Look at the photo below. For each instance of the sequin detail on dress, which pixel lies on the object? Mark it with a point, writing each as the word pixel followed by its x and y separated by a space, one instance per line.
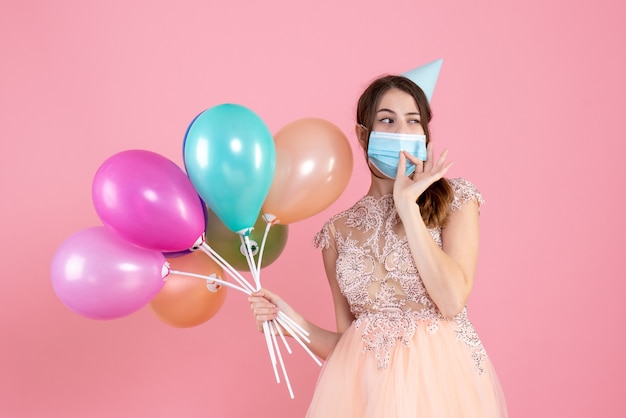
pixel 377 275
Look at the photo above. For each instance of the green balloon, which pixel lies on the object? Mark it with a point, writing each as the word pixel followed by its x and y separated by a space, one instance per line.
pixel 229 246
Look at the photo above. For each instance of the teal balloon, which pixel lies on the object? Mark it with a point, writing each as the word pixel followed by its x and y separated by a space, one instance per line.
pixel 230 158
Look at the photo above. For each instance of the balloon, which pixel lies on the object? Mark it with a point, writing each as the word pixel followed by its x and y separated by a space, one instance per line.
pixel 313 167
pixel 174 254
pixel 99 275
pixel 228 244
pixel 148 200
pixel 186 301
pixel 230 158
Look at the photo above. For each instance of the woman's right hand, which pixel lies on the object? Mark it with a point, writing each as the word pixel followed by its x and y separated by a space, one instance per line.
pixel 265 306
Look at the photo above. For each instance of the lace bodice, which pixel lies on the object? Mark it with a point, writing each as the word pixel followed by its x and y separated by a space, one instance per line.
pixel 378 277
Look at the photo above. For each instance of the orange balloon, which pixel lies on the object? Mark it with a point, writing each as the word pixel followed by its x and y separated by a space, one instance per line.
pixel 313 167
pixel 187 301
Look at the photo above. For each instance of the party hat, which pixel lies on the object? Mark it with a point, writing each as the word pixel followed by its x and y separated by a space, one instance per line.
pixel 425 76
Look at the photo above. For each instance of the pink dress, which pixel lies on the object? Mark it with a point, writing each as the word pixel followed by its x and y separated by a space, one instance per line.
pixel 400 358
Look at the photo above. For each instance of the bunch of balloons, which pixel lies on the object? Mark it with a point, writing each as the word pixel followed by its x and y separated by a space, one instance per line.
pixel 169 235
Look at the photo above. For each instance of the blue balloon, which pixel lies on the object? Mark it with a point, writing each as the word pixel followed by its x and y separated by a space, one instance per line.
pixel 230 158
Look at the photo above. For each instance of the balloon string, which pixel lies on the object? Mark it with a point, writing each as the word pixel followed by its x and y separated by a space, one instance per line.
pixel 227 267
pixel 262 250
pixel 270 349
pixel 282 336
pixel 245 241
pixel 280 358
pixel 304 333
pixel 210 279
pixel 270 340
pixel 292 327
pixel 269 328
pixel 253 269
pixel 295 336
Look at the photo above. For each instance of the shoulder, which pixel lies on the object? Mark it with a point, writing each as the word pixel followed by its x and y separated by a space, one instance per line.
pixel 464 191
pixel 323 238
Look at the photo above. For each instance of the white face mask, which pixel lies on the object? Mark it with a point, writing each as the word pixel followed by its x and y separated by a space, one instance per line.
pixel 383 151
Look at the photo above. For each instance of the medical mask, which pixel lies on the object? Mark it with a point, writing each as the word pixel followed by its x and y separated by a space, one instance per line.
pixel 383 151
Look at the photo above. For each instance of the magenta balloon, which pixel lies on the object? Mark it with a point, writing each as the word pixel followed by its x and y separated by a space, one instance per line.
pixel 99 275
pixel 149 201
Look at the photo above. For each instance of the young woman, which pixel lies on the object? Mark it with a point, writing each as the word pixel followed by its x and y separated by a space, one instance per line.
pixel 400 264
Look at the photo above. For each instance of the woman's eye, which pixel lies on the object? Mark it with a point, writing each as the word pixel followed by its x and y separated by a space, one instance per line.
pixel 414 121
pixel 386 120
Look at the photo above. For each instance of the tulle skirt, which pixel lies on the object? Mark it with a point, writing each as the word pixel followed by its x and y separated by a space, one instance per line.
pixel 435 376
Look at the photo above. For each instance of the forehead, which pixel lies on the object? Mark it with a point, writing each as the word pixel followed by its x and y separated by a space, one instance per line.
pixel 398 101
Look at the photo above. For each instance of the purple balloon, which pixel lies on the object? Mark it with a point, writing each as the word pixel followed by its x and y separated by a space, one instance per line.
pixel 99 275
pixel 149 201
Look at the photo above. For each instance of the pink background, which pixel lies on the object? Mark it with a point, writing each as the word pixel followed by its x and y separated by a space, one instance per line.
pixel 530 102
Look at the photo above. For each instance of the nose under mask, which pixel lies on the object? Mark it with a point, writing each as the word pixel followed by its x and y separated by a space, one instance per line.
pixel 383 151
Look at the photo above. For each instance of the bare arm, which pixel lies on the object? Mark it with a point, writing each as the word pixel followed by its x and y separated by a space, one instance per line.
pixel 448 272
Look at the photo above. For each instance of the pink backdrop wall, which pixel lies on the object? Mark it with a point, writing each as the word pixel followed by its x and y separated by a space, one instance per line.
pixel 530 102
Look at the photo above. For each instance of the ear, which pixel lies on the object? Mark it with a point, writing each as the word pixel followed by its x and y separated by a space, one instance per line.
pixel 361 134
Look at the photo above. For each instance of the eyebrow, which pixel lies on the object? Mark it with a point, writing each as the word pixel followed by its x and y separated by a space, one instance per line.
pixel 391 111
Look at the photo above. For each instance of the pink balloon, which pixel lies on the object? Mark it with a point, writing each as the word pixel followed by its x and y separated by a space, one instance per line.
pixel 99 275
pixel 149 201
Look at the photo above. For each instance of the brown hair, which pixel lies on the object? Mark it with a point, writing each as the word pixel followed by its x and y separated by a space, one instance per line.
pixel 435 202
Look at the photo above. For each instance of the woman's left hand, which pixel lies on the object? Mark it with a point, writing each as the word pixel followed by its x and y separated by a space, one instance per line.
pixel 407 189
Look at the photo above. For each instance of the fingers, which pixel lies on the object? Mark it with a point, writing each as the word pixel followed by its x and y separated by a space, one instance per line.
pixel 428 164
pixel 429 169
pixel 262 308
pixel 425 166
pixel 404 155
pixel 272 297
pixel 440 161
pixel 401 164
pixel 441 168
pixel 413 159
